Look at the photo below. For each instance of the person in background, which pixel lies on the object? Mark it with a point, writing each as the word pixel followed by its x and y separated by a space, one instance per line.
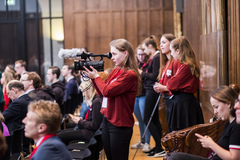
pixel 237 107
pixel 4 128
pixel 168 68
pixel 222 100
pixel 119 92
pixel 71 92
pixel 3 145
pixel 10 68
pixel 140 103
pixel 17 110
pixel 58 86
pixel 84 129
pixel 2 102
pixel 20 67
pixel 31 82
pixel 42 122
pixel 6 77
pixel 151 48
pixel 184 108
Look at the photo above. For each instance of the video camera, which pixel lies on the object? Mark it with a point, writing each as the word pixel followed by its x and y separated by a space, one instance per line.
pixel 85 59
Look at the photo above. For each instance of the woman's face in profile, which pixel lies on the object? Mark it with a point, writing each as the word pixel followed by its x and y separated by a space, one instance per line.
pixel 220 109
pixel 118 57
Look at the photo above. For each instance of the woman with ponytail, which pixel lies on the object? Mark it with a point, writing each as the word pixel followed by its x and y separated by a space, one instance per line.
pixel 184 108
pixel 151 48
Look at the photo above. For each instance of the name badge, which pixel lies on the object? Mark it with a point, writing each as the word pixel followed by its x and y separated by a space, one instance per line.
pixel 104 102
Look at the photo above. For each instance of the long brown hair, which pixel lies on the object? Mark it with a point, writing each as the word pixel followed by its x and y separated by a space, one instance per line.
pixel 226 95
pixel 131 60
pixel 186 54
pixel 8 77
pixel 163 57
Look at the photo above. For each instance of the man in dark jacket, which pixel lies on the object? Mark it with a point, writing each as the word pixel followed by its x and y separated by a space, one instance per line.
pixel 17 110
pixel 71 92
pixel 58 86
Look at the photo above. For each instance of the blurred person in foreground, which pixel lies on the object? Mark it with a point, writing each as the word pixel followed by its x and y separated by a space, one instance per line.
pixel 42 123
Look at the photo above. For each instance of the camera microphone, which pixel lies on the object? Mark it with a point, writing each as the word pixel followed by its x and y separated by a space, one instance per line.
pixel 76 52
pixel 69 53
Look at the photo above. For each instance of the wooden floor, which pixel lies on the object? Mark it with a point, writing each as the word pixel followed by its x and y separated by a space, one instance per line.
pixel 140 155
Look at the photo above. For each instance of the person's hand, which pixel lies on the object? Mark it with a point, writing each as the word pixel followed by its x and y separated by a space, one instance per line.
pixel 91 74
pixel 159 87
pixel 206 141
pixel 76 119
pixel 140 71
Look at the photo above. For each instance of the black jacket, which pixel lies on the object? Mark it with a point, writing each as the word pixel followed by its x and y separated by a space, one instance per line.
pixel 58 89
pixel 16 112
pixel 45 93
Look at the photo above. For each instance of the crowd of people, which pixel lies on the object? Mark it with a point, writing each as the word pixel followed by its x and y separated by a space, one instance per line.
pixel 164 67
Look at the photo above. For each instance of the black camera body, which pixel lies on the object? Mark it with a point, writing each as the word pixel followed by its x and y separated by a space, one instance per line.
pixel 98 65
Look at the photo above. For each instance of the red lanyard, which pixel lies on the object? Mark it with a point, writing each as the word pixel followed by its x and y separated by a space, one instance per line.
pixel 113 77
pixel 86 116
pixel 144 65
pixel 44 139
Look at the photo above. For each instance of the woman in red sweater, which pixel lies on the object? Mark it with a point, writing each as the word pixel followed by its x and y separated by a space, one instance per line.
pixel 119 91
pixel 184 109
pixel 168 68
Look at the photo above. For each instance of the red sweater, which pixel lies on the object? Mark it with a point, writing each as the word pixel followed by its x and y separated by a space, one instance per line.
pixel 168 72
pixel 6 98
pixel 121 92
pixel 183 80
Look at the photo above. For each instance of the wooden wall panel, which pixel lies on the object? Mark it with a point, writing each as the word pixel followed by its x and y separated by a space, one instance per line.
pixel 104 4
pixel 143 30
pixel 116 4
pixel 130 26
pixel 94 23
pixel 204 25
pixel 92 31
pixel 154 23
pixel 117 25
pixel 104 31
pixel 234 41
pixel 80 26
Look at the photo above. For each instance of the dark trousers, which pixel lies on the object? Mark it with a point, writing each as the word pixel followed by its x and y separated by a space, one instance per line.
pixel 155 126
pixel 116 140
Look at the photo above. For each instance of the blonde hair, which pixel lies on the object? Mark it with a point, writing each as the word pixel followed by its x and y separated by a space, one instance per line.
pixel 163 57
pixel 88 86
pixel 47 112
pixel 131 60
pixel 8 77
pixel 186 54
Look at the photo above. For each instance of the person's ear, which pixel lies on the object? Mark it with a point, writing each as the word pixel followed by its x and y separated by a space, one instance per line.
pixel 126 54
pixel 177 51
pixel 42 128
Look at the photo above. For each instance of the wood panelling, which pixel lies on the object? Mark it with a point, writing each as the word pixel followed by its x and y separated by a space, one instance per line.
pixel 204 24
pixel 234 41
pixel 95 23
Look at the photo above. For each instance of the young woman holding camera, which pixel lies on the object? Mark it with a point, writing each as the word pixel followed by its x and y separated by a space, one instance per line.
pixel 119 91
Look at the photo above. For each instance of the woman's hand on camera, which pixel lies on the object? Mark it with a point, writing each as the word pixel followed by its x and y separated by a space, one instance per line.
pixel 91 74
